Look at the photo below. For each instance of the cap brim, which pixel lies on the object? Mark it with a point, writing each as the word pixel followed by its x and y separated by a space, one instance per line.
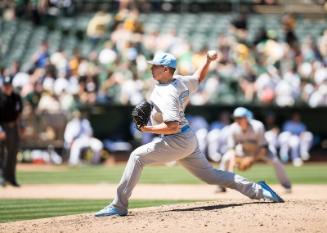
pixel 238 117
pixel 157 64
pixel 154 63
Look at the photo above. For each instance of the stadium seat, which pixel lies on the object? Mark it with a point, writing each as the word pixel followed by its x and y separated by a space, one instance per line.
pixel 20 46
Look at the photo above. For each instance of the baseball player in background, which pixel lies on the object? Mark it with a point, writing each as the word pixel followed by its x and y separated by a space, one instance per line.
pixel 78 135
pixel 177 142
pixel 217 137
pixel 2 138
pixel 200 127
pixel 247 145
pixel 296 139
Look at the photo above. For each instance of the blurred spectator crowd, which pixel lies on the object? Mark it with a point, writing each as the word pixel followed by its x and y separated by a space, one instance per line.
pixel 264 70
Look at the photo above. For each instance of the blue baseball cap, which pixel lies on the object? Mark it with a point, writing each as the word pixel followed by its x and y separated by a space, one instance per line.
pixel 242 112
pixel 164 59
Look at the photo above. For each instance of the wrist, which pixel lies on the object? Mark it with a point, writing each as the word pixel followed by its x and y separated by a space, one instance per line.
pixel 208 61
pixel 146 128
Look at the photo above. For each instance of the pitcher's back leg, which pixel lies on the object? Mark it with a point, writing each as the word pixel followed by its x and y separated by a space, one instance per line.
pixel 199 166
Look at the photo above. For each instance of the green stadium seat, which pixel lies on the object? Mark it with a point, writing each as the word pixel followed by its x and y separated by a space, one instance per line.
pixel 66 24
pixel 81 22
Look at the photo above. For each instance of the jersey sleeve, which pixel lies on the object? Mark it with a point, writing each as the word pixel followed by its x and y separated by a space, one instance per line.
pixel 192 82
pixel 69 133
pixel 170 109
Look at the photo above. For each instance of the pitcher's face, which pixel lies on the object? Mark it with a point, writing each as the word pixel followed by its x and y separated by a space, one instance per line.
pixel 157 71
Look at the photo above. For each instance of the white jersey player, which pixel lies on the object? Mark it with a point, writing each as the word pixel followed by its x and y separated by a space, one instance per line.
pixel 246 141
pixel 217 137
pixel 178 142
pixel 296 139
pixel 78 135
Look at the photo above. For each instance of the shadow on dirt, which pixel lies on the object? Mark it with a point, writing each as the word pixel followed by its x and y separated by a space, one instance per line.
pixel 217 207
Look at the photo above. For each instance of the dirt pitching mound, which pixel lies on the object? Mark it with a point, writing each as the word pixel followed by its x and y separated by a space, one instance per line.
pixel 214 216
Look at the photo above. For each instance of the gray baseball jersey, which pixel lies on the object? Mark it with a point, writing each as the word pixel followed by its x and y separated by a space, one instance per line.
pixel 247 142
pixel 169 102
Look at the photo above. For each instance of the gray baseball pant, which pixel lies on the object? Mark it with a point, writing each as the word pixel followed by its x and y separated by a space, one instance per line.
pixel 182 147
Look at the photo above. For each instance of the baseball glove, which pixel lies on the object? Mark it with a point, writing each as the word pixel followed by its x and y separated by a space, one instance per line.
pixel 141 114
pixel 244 163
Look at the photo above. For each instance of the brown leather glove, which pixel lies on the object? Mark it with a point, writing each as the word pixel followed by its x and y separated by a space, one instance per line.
pixel 244 163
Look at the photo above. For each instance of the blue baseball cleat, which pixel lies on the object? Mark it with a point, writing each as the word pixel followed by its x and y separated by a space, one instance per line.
pixel 269 193
pixel 110 210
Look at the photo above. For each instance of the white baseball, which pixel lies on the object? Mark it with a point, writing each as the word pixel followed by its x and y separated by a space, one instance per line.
pixel 212 54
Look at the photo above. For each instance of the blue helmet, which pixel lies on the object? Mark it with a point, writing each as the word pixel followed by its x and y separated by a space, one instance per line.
pixel 242 112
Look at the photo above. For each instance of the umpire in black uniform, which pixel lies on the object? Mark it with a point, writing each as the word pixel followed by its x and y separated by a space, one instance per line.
pixel 10 110
pixel 2 139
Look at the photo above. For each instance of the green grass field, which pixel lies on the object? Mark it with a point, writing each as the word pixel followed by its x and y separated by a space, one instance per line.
pixel 308 174
pixel 13 210
pixel 16 209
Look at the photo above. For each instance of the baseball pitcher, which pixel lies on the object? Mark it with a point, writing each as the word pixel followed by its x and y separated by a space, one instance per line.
pixel 177 142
